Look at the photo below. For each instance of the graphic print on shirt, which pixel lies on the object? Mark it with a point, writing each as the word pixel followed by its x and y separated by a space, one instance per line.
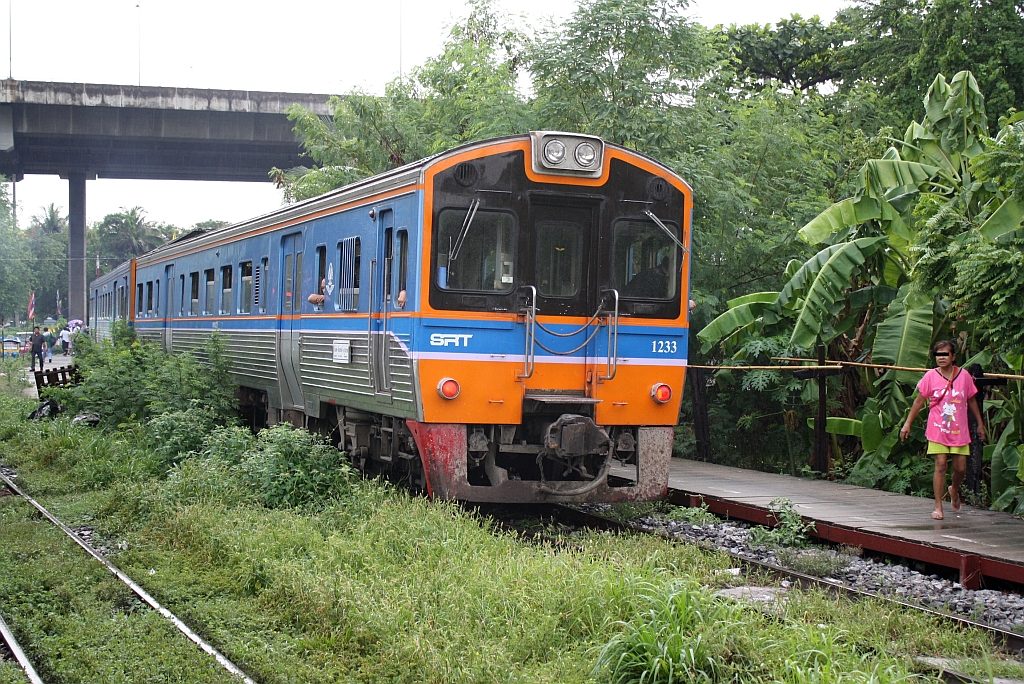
pixel 948 413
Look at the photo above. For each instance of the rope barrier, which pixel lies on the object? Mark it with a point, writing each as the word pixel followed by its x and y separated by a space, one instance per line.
pixel 839 364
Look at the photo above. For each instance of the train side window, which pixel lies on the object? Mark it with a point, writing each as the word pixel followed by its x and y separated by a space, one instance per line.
pixel 322 281
pixel 149 298
pixel 348 275
pixel 139 303
pixel 287 283
pixel 645 261
pixel 245 291
pixel 559 258
pixel 478 254
pixel 297 300
pixel 181 302
pixel 403 266
pixel 210 293
pixel 156 297
pixel 225 290
pixel 193 309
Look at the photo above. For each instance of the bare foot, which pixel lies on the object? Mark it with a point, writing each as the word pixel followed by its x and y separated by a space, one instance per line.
pixel 937 515
pixel 954 498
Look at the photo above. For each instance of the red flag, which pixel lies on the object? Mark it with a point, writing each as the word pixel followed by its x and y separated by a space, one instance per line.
pixel 31 306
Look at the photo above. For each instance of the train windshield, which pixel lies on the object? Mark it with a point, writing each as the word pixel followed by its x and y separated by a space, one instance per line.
pixel 645 261
pixel 476 250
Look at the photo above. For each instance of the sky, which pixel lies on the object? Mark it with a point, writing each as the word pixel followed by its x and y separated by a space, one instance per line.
pixel 305 46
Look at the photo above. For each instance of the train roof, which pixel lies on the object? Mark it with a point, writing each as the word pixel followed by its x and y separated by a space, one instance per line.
pixel 407 175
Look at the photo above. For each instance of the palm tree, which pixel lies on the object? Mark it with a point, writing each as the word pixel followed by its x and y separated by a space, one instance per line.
pixel 49 222
pixel 127 234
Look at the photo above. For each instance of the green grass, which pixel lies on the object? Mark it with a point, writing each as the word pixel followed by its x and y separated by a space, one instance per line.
pixel 362 583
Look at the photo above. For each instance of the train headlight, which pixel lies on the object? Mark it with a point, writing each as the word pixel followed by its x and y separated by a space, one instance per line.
pixel 448 388
pixel 661 392
pixel 554 152
pixel 586 154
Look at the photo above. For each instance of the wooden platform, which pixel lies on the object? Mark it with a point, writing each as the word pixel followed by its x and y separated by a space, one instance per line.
pixel 978 542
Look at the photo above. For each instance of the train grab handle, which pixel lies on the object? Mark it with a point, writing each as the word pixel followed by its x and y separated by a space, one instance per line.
pixel 531 333
pixel 613 338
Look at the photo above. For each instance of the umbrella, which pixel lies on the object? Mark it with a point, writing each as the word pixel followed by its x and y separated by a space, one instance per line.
pixel 74 322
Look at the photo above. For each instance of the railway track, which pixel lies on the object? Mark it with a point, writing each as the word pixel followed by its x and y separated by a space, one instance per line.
pixel 19 655
pixel 1009 642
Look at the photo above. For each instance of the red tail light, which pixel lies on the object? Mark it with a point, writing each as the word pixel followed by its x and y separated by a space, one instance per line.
pixel 661 392
pixel 448 388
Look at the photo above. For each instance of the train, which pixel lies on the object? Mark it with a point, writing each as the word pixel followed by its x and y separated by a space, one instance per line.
pixel 506 321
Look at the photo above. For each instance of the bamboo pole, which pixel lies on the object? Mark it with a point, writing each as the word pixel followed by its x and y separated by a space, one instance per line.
pixel 693 365
pixel 884 367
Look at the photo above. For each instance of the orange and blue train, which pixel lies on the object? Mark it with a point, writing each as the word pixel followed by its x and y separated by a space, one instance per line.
pixel 503 322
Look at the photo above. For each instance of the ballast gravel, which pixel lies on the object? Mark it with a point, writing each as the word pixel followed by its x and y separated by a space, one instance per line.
pixel 1004 610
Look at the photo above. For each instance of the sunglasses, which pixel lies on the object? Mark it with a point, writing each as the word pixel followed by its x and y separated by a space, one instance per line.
pixel 942 354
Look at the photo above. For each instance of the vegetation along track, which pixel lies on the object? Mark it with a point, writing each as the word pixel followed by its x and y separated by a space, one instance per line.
pixel 138 590
pixel 1008 641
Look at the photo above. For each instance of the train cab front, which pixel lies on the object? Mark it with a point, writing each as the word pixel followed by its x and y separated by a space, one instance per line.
pixel 552 347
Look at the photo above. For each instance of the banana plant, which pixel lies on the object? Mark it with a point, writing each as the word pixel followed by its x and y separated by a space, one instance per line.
pixel 859 288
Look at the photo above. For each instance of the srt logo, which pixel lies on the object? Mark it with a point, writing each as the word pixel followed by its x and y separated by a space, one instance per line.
pixel 447 339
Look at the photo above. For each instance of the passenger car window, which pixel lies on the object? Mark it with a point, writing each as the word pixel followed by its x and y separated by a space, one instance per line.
pixel 210 293
pixel 559 258
pixel 245 294
pixel 193 309
pixel 479 256
pixel 225 289
pixel 645 261
pixel 348 281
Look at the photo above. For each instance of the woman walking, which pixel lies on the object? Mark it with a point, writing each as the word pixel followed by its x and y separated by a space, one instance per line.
pixel 950 392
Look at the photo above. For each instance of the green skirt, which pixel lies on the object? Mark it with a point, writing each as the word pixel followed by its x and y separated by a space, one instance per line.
pixel 936 448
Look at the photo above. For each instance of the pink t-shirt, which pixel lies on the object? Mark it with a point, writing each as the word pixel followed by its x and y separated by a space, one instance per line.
pixel 947 419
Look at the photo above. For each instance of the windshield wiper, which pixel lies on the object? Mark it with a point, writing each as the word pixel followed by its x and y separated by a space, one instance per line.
pixel 668 231
pixel 454 253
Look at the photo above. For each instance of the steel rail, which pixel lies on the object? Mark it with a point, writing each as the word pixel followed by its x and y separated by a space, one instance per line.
pixel 1009 641
pixel 139 591
pixel 19 655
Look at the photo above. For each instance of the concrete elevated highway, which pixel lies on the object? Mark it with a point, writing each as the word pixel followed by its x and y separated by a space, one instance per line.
pixel 84 131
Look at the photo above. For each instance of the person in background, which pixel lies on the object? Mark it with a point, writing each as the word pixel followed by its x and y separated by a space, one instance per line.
pixel 949 392
pixel 51 340
pixel 65 340
pixel 37 344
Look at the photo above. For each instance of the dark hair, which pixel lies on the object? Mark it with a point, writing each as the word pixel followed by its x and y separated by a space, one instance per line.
pixel 948 344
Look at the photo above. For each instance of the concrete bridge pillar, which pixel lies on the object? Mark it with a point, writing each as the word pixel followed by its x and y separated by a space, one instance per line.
pixel 77 284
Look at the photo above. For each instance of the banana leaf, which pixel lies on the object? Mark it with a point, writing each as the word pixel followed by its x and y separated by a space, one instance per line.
pixel 871 434
pixel 868 469
pixel 821 281
pixel 1005 219
pixel 835 425
pixel 1005 463
pixel 878 175
pixel 728 323
pixel 903 338
pixel 753 297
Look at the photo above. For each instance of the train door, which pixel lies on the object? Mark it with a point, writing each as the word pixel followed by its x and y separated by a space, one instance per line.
pixel 167 307
pixel 289 321
pixel 380 296
pixel 564 271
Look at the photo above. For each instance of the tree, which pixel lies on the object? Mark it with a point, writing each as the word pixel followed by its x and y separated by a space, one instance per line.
pixel 466 93
pixel 128 234
pixel 47 236
pixel 901 44
pixel 798 53
pixel 625 70
pixel 15 264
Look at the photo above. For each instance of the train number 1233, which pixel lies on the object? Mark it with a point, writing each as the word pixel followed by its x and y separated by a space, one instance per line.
pixel 664 346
